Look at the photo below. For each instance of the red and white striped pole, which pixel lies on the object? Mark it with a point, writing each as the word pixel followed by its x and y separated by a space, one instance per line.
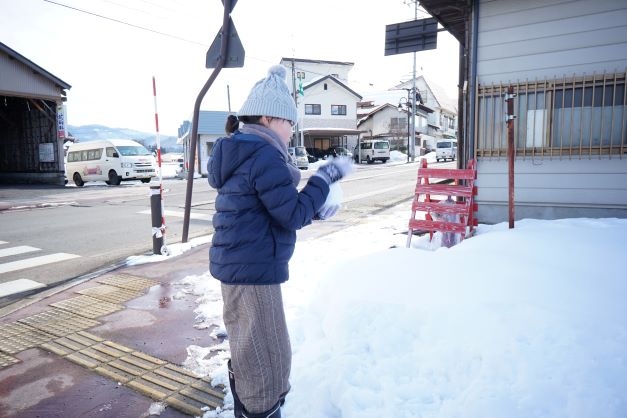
pixel 154 93
pixel 160 233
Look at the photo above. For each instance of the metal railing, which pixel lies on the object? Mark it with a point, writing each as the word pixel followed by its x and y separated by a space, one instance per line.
pixel 569 117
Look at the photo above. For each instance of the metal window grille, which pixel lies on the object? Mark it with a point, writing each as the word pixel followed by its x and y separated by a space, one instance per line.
pixel 580 116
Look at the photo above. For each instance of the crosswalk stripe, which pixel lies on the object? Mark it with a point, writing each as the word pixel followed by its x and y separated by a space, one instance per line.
pixel 35 261
pixel 17 286
pixel 181 215
pixel 17 250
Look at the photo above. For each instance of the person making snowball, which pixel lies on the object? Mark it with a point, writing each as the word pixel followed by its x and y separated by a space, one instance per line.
pixel 258 210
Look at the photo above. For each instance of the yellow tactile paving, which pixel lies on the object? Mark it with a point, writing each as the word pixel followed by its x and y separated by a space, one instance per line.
pixel 61 330
pixel 7 360
pixel 127 281
pixel 114 374
pixel 16 337
pixel 111 294
pixel 59 322
pixel 149 375
pixel 87 306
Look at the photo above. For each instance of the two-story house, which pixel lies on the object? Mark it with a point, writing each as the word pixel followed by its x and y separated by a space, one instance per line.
pixel 393 122
pixel 327 106
pixel 442 122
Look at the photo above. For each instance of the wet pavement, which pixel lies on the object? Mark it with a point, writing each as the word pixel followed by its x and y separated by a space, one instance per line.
pixel 153 326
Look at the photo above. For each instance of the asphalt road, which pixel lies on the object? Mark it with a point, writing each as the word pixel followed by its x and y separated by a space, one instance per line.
pixel 52 234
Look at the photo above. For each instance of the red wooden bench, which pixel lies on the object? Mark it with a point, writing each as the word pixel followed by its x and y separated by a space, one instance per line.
pixel 462 192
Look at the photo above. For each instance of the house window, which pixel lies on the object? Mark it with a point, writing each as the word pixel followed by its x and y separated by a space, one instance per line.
pixel 338 109
pixel 398 124
pixel 312 109
pixel 325 86
pixel 567 117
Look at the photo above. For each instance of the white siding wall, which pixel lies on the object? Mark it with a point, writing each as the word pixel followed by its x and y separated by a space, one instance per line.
pixel 553 188
pixel 334 95
pixel 531 39
pixel 18 80
pixel 204 150
pixel 540 39
pixel 314 70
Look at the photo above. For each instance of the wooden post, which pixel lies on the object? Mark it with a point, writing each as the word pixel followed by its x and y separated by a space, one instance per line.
pixel 511 151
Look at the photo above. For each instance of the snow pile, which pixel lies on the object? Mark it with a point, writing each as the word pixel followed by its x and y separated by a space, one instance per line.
pixel 397 156
pixel 173 249
pixel 529 322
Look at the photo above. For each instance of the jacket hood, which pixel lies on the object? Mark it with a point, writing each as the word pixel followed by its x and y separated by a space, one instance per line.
pixel 228 154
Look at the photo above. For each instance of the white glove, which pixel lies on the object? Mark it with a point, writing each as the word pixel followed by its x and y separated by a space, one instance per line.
pixel 328 211
pixel 335 169
pixel 333 203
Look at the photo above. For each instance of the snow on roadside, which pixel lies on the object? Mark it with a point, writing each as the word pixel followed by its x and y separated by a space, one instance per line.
pixel 517 323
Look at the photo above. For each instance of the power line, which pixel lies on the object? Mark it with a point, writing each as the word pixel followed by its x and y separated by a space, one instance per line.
pixel 168 34
pixel 127 24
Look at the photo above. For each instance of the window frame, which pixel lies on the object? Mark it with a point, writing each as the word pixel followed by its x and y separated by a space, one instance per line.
pixel 339 108
pixel 313 107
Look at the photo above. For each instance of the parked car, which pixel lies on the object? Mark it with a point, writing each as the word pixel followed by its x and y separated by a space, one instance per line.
pixel 446 149
pixel 299 157
pixel 316 153
pixel 374 150
pixel 337 151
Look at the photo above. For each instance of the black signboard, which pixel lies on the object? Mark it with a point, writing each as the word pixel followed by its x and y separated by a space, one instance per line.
pixel 413 36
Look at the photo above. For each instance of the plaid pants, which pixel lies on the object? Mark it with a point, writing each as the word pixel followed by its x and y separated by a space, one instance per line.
pixel 261 355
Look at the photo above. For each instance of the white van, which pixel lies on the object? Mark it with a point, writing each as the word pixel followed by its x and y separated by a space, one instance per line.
pixel 111 160
pixel 446 149
pixel 372 150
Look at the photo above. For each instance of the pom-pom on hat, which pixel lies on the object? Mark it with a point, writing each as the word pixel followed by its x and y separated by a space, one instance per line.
pixel 270 97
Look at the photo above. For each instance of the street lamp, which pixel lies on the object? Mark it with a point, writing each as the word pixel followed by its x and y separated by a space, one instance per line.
pixel 407 102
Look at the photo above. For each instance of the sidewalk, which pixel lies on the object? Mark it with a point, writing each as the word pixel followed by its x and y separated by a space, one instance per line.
pixel 103 350
pixel 112 345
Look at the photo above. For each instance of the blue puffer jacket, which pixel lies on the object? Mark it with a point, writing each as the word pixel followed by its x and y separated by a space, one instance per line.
pixel 258 210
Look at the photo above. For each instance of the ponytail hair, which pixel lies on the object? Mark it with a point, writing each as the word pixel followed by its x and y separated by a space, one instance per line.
pixel 232 124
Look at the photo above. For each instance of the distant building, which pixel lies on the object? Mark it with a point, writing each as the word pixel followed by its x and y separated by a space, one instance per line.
pixel 211 125
pixel 327 108
pixel 32 121
pixel 442 121
pixel 392 123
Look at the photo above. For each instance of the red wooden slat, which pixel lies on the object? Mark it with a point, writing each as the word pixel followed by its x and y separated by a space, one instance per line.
pixel 442 173
pixel 444 189
pixel 437 226
pixel 434 207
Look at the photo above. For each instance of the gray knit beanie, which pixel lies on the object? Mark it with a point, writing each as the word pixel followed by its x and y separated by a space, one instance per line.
pixel 270 97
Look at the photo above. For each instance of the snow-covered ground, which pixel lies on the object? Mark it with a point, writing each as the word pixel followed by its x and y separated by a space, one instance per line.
pixel 529 322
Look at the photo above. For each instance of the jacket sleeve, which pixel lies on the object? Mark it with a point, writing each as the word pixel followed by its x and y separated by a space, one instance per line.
pixel 286 205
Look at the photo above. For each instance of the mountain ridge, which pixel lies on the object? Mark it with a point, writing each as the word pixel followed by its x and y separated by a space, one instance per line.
pixel 86 133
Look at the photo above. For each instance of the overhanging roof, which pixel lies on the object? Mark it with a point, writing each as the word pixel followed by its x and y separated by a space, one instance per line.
pixel 330 131
pixel 36 68
pixel 452 14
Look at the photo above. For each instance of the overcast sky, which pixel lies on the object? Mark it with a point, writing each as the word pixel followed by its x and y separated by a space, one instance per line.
pixel 110 65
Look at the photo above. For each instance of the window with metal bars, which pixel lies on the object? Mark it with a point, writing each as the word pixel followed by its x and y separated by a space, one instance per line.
pixel 575 116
